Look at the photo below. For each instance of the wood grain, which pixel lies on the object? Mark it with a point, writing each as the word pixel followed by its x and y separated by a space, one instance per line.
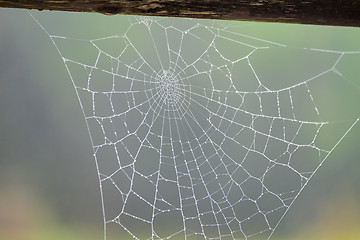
pixel 323 12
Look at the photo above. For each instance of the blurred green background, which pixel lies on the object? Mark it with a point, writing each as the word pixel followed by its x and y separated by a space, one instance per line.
pixel 48 181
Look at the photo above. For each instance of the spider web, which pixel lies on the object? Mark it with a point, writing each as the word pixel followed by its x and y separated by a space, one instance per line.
pixel 196 132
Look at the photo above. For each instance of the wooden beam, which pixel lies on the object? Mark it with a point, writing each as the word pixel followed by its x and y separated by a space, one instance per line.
pixel 323 12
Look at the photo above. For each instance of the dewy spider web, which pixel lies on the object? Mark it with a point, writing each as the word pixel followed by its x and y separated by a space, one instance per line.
pixel 192 138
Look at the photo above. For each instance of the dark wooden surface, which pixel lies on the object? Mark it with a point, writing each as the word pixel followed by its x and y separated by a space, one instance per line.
pixel 323 12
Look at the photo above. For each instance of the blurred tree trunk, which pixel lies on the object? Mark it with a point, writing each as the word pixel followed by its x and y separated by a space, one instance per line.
pixel 324 12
